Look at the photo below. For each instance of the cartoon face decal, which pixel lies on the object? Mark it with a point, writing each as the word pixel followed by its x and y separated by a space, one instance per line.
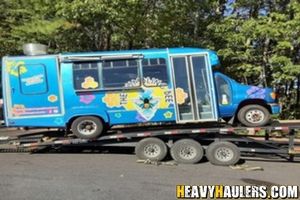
pixel 52 98
pixel 181 96
pixel 89 83
pixel 15 68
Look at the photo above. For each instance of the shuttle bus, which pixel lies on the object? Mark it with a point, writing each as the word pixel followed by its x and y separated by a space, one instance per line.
pixel 90 92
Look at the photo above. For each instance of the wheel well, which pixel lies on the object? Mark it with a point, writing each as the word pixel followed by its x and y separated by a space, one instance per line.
pixel 69 123
pixel 260 102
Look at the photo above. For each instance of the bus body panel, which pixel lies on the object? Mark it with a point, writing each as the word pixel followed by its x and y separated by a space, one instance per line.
pixel 164 85
pixel 33 94
pixel 120 106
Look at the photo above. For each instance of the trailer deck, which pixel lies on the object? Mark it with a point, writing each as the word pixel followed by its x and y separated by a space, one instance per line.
pixel 247 140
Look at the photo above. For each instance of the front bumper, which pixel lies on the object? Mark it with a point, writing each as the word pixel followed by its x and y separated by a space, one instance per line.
pixel 275 108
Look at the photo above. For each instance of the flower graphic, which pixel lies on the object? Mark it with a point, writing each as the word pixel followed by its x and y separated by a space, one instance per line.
pixel 89 82
pixel 181 96
pixel 87 99
pixel 118 115
pixel 168 115
pixel 15 68
pixel 112 100
pixel 52 98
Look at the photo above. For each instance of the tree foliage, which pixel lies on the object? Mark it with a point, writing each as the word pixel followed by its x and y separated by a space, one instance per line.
pixel 257 40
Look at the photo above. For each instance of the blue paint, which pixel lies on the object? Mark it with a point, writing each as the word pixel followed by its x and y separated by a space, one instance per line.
pixel 241 93
pixel 39 91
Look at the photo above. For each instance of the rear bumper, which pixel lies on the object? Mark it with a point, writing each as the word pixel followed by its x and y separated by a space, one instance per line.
pixel 275 108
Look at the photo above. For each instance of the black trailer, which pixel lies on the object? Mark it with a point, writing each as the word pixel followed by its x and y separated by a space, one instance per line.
pixel 221 145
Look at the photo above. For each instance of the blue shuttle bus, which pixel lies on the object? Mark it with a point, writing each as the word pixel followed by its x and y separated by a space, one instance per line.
pixel 87 92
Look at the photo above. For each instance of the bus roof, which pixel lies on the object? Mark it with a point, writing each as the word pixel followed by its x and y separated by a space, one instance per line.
pixel 214 60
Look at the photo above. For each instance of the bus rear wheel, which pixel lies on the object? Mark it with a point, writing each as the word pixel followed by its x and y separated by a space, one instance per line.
pixel 223 153
pixel 254 115
pixel 151 148
pixel 187 151
pixel 87 127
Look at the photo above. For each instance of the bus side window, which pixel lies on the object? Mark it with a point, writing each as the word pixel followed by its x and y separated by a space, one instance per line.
pixel 84 70
pixel 155 72
pixel 120 74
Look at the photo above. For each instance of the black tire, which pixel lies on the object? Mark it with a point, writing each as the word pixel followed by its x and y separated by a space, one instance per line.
pixel 151 148
pixel 87 127
pixel 187 151
pixel 254 115
pixel 223 153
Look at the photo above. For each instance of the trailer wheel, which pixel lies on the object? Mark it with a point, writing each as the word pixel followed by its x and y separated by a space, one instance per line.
pixel 187 151
pixel 253 115
pixel 87 127
pixel 223 153
pixel 151 148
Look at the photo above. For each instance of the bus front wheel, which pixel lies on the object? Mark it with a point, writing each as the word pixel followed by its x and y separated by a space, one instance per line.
pixel 87 127
pixel 254 115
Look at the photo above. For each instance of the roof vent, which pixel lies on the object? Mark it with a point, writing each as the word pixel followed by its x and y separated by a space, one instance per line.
pixel 33 49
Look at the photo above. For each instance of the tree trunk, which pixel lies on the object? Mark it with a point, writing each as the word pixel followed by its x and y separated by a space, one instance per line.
pixel 265 61
pixel 298 92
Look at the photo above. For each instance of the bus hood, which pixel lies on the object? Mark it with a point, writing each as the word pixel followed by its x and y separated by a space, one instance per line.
pixel 255 92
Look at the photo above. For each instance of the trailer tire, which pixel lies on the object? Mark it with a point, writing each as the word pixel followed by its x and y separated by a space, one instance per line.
pixel 187 151
pixel 254 115
pixel 151 148
pixel 87 127
pixel 223 153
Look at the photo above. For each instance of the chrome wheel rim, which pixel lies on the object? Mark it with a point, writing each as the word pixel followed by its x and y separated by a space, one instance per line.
pixel 224 154
pixel 87 127
pixel 188 152
pixel 255 116
pixel 152 150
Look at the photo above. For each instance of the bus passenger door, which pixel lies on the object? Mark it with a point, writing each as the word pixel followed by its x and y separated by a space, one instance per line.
pixel 194 90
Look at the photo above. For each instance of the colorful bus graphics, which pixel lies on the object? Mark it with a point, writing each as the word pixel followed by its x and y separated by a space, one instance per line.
pixel 87 92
